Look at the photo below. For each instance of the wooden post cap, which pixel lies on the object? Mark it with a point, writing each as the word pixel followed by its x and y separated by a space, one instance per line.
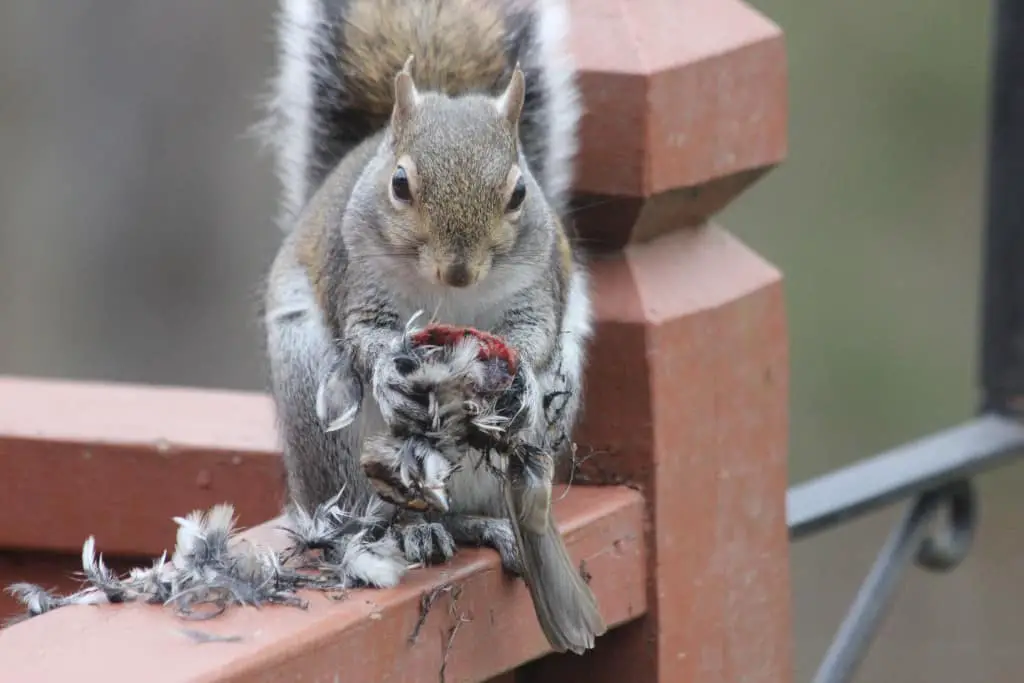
pixel 685 106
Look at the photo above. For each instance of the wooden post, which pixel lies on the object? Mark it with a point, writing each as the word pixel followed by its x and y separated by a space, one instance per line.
pixel 686 106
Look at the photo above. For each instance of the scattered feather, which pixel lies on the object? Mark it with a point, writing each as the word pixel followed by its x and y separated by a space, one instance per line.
pixel 212 569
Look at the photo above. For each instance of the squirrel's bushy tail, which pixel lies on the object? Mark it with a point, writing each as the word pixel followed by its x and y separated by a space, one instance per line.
pixel 336 65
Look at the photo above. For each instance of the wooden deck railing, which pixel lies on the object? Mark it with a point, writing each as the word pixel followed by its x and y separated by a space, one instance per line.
pixel 678 508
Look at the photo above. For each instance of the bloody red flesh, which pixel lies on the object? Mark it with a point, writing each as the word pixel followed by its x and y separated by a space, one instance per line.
pixel 491 346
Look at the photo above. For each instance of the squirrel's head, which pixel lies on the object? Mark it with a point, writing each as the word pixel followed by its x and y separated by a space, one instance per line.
pixel 454 190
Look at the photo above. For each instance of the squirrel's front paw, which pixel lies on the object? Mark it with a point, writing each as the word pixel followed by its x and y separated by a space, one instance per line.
pixel 407 472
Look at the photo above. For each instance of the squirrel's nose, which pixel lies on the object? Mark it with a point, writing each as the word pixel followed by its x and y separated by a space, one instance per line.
pixel 456 275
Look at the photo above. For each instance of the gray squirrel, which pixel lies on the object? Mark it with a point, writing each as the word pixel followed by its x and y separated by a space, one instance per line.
pixel 425 149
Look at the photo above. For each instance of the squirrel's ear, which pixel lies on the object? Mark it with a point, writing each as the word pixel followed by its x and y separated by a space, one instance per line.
pixel 406 95
pixel 510 102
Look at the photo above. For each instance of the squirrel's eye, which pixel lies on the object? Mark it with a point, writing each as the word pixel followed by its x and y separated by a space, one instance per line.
pixel 400 185
pixel 518 196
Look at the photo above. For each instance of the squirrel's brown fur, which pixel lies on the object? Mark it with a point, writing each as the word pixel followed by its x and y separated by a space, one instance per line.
pixel 457 45
pixel 313 240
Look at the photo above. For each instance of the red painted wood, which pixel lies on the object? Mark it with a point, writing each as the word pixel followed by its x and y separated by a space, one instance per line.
pixel 362 638
pixel 118 461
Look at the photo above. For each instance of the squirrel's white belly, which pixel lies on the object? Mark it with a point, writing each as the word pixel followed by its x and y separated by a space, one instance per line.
pixel 466 307
pixel 482 306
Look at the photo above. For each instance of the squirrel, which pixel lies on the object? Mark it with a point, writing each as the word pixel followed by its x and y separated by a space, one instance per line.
pixel 425 151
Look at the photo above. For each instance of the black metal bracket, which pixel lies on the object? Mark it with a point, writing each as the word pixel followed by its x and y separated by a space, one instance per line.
pixel 1002 302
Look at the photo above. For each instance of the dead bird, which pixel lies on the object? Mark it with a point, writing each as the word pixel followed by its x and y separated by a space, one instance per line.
pixel 471 391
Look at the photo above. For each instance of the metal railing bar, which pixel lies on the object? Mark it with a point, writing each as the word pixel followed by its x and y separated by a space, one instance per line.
pixel 909 540
pixel 930 463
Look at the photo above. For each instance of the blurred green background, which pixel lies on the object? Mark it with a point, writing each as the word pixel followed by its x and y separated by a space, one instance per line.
pixel 136 223
pixel 875 219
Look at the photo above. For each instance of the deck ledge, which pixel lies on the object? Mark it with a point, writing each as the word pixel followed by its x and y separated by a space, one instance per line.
pixel 364 637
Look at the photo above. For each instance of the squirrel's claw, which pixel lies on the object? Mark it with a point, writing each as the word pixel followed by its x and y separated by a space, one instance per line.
pixel 424 542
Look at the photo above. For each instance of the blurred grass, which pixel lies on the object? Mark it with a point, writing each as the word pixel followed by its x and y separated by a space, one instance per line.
pixel 875 219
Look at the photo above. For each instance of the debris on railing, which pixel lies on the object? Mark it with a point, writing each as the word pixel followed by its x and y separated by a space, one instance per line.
pixel 211 569
pixel 479 624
